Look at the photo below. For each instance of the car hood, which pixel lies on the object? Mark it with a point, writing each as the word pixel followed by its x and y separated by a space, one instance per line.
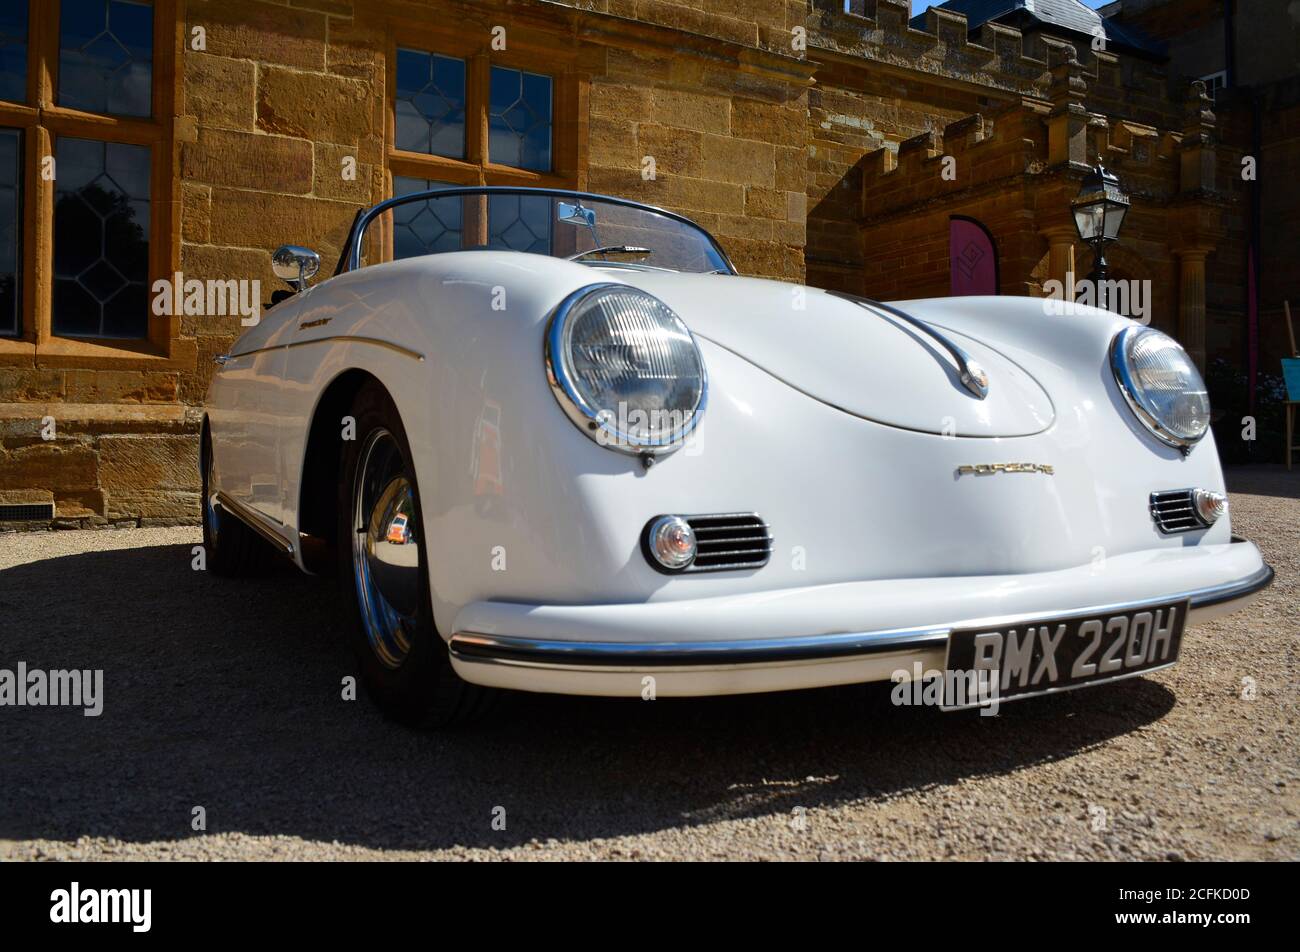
pixel 866 363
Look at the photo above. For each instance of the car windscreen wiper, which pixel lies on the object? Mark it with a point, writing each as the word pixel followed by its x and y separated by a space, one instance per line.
pixel 973 377
pixel 612 250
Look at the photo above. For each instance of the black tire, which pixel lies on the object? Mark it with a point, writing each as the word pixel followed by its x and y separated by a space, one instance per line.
pixel 421 689
pixel 232 550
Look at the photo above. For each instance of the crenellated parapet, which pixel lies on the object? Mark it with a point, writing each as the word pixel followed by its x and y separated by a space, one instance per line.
pixel 1055 139
pixel 966 154
pixel 995 57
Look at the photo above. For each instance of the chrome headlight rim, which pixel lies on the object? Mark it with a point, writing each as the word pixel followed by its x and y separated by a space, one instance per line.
pixel 1124 378
pixel 592 421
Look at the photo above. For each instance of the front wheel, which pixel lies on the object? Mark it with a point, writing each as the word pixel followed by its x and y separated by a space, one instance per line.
pixel 383 564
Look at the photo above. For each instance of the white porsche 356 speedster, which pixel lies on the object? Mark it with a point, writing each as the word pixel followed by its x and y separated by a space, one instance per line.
pixel 580 454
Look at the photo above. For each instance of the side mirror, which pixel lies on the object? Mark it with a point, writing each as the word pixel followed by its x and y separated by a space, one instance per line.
pixel 295 265
pixel 575 214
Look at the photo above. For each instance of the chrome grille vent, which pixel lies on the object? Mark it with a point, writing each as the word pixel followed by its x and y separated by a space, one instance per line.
pixel 1175 511
pixel 735 540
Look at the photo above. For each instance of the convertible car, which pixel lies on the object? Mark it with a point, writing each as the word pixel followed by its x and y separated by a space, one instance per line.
pixel 554 442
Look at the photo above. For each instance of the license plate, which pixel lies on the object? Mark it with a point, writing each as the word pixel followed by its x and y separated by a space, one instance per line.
pixel 1040 656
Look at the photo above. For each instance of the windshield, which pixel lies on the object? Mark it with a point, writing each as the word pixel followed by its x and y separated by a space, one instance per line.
pixel 427 218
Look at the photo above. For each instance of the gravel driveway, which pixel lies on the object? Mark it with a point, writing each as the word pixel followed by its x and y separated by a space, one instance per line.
pixel 226 695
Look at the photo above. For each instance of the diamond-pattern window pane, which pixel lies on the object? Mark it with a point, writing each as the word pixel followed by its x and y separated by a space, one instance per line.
pixel 430 103
pixel 106 56
pixel 101 239
pixel 10 230
pixel 425 228
pixel 13 50
pixel 519 127
pixel 520 223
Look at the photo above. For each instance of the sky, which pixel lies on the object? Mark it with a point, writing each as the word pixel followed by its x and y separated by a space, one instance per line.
pixel 919 6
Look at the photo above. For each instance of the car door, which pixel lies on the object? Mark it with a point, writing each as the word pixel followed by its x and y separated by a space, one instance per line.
pixel 245 412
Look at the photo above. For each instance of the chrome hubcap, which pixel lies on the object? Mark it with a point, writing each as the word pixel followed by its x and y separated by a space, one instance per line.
pixel 385 553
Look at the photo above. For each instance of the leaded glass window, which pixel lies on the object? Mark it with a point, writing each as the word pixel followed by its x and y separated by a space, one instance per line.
pixel 519 130
pixel 101 239
pixel 106 56
pixel 520 223
pixel 10 230
pixel 430 103
pixel 421 228
pixel 13 50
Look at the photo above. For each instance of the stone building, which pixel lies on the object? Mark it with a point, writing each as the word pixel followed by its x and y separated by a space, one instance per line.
pixel 1248 54
pixel 141 140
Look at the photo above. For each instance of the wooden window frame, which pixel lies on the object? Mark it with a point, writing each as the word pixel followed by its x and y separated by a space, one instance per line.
pixel 528 49
pixel 42 121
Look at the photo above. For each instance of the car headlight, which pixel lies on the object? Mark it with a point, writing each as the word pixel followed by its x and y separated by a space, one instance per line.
pixel 1162 385
pixel 625 368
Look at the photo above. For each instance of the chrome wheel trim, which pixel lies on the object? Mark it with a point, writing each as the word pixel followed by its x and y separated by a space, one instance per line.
pixel 211 510
pixel 386 562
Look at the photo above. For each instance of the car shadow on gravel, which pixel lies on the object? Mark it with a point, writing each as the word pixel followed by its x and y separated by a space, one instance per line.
pixel 226 694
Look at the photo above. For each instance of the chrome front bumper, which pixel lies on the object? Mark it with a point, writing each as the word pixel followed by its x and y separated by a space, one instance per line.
pixel 700 665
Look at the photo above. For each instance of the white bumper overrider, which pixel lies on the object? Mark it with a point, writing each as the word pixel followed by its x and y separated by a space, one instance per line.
pixel 816 636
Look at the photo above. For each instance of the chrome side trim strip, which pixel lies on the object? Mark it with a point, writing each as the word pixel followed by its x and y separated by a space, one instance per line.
pixel 349 338
pixel 258 523
pixel 573 655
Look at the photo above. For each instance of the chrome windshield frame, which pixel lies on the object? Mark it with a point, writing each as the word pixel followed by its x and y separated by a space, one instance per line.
pixel 350 260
